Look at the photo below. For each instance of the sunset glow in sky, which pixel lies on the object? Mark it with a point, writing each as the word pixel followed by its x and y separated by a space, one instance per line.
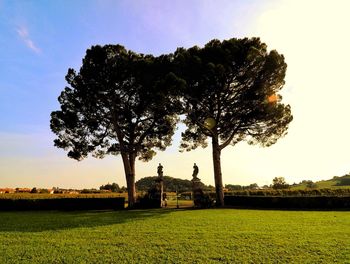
pixel 40 40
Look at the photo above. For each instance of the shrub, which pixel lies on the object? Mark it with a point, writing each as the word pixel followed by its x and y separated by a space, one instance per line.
pixel 63 204
pixel 291 202
pixel 151 199
pixel 288 192
pixel 279 183
pixel 311 184
pixel 34 190
pixel 344 182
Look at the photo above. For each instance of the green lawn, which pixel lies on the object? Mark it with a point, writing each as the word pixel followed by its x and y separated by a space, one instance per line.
pixel 175 236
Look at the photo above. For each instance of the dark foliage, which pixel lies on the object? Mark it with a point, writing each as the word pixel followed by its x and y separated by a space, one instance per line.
pixel 232 81
pixel 310 184
pixel 62 204
pixel 231 94
pixel 232 187
pixel 288 192
pixel 152 198
pixel 121 102
pixel 170 184
pixel 34 190
pixel 301 202
pixel 202 199
pixel 118 103
pixel 279 183
pixel 114 187
pixel 344 181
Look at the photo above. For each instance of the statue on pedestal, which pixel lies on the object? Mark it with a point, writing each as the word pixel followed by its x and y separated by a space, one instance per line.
pixel 159 181
pixel 160 171
pixel 195 171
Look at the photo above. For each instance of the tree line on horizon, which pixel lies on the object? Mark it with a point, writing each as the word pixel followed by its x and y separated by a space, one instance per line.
pixel 127 103
pixel 172 184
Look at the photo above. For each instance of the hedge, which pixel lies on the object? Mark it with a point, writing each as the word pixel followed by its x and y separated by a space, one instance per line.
pixel 62 204
pixel 147 203
pixel 289 202
pixel 287 192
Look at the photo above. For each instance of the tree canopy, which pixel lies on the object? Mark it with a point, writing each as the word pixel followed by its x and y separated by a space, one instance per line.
pixel 114 187
pixel 279 183
pixel 118 103
pixel 231 94
pixel 122 102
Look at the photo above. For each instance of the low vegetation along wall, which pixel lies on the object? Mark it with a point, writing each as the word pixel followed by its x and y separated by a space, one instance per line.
pixel 288 192
pixel 63 204
pixel 289 202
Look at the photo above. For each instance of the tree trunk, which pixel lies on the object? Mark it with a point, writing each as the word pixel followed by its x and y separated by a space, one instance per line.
pixel 129 169
pixel 217 172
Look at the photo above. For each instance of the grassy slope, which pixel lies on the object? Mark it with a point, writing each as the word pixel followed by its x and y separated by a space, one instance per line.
pixel 331 184
pixel 175 236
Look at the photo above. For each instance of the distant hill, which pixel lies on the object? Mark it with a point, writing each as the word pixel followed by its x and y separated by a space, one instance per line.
pixel 170 184
pixel 337 182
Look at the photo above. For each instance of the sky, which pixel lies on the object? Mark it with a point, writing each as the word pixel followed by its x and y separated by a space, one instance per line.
pixel 41 39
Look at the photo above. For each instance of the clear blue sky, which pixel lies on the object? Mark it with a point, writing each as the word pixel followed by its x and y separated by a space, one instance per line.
pixel 40 40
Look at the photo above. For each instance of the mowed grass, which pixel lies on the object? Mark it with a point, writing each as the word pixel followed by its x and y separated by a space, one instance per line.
pixel 175 236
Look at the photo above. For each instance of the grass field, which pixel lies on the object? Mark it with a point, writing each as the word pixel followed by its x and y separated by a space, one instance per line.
pixel 175 236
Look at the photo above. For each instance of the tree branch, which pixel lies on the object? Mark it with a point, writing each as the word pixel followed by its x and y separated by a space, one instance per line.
pixel 144 134
pixel 228 141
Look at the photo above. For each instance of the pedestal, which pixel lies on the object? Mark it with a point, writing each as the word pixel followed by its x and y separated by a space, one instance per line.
pixel 197 192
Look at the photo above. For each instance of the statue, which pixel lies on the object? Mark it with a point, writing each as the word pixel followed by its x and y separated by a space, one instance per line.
pixel 199 198
pixel 195 171
pixel 160 170
pixel 160 186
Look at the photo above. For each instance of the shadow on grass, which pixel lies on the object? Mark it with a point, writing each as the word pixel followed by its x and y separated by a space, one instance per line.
pixel 37 221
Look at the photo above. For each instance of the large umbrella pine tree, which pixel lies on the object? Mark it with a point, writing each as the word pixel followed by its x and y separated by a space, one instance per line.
pixel 231 94
pixel 118 103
